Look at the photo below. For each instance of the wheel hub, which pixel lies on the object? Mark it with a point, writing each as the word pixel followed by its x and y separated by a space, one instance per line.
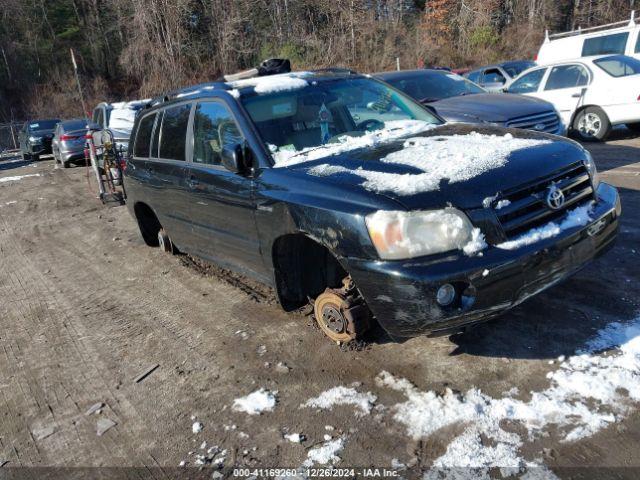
pixel 590 124
pixel 333 319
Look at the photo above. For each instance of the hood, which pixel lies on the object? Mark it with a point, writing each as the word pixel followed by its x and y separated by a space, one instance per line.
pixel 489 107
pixel 518 168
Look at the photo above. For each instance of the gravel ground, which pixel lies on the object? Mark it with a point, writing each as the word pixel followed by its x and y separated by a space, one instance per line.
pixel 86 309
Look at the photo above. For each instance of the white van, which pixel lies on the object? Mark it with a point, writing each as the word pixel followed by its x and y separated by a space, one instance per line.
pixel 621 38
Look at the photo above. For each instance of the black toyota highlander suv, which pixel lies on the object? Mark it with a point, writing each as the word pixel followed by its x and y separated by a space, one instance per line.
pixel 337 189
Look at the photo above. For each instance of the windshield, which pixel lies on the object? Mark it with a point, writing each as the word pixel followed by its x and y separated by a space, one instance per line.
pixel 330 112
pixel 432 86
pixel 43 124
pixel 516 68
pixel 619 65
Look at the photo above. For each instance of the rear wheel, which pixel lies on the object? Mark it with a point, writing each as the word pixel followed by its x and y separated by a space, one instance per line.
pixel 341 313
pixel 35 158
pixel 591 124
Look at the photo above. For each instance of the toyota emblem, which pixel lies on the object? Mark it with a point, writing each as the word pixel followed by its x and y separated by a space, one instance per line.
pixel 555 198
pixel 539 127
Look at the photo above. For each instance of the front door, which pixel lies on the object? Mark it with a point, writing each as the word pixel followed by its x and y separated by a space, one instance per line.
pixel 221 203
pixel 565 88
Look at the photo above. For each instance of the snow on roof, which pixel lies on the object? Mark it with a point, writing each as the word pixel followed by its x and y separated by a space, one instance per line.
pixel 123 114
pixel 342 396
pixel 392 130
pixel 282 82
pixel 586 393
pixel 578 217
pixel 455 158
pixel 255 403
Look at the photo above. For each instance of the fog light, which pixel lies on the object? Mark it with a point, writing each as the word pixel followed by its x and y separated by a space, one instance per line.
pixel 446 295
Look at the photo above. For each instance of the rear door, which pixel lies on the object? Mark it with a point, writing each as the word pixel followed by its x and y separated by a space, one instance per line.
pixel 221 203
pixel 565 87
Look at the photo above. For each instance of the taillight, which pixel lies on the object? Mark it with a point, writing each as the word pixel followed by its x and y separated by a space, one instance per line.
pixel 68 137
pixel 535 57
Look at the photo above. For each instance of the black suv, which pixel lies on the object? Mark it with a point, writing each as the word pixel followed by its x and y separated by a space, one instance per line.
pixel 35 138
pixel 336 188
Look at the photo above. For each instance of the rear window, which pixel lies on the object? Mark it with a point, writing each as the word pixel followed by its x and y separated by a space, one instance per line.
pixel 74 125
pixel 615 43
pixel 174 132
pixel 43 124
pixel 143 137
pixel 619 66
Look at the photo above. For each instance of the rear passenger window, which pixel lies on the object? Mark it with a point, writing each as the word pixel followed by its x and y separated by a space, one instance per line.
pixel 174 132
pixel 143 137
pixel 567 76
pixel 213 129
pixel 615 43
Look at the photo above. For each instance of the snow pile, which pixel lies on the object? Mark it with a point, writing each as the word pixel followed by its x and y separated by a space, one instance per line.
pixel 342 396
pixel 455 158
pixel 502 203
pixel 392 130
pixel 578 217
pixel 327 452
pixel 587 393
pixel 283 82
pixel 18 177
pixel 197 427
pixel 257 402
pixel 295 437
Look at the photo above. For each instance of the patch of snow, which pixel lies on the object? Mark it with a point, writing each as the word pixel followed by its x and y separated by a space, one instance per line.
pixel 273 83
pixel 342 396
pixel 16 178
pixel 392 130
pixel 502 204
pixel 587 393
pixel 485 272
pixel 476 243
pixel 197 427
pixel 295 437
pixel 327 452
pixel 578 217
pixel 257 402
pixel 234 92
pixel 455 158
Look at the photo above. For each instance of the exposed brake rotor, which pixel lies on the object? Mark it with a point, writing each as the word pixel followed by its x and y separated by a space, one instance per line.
pixel 342 313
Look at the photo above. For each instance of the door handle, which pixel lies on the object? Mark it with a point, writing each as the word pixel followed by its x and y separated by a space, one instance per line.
pixel 576 95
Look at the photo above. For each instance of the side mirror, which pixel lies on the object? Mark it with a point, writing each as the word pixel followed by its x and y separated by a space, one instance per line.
pixel 232 157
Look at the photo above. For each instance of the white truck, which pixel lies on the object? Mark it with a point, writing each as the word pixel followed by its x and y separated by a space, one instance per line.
pixel 622 38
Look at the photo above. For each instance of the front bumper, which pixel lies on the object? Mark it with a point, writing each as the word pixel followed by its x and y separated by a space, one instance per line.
pixel 402 294
pixel 39 148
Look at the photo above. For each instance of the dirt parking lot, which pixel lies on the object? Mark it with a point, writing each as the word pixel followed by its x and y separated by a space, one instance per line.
pixel 86 308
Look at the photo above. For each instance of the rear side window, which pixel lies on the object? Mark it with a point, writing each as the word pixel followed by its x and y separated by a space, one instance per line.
pixel 619 65
pixel 173 134
pixel 615 43
pixel 528 83
pixel 637 49
pixel 98 116
pixel 567 76
pixel 213 129
pixel 143 137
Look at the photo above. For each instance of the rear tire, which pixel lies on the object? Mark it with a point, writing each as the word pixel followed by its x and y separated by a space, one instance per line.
pixel 35 158
pixel 591 124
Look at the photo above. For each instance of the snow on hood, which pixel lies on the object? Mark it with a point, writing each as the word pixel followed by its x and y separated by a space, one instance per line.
pixel 455 158
pixel 123 114
pixel 392 130
pixel 283 82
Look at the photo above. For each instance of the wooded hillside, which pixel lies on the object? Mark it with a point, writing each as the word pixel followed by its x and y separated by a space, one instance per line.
pixel 138 48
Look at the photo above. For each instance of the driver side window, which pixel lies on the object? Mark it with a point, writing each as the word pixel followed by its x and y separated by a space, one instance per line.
pixel 493 76
pixel 213 129
pixel 528 83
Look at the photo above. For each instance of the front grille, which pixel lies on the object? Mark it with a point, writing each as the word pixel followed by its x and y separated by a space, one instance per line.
pixel 527 207
pixel 542 122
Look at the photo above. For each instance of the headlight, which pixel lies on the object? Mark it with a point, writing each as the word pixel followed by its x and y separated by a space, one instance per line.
pixel 591 168
pixel 400 235
pixel 35 139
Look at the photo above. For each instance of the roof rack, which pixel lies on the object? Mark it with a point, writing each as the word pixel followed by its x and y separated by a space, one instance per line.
pixel 579 31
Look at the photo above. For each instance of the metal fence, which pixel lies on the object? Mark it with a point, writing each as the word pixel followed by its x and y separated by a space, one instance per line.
pixel 9 135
